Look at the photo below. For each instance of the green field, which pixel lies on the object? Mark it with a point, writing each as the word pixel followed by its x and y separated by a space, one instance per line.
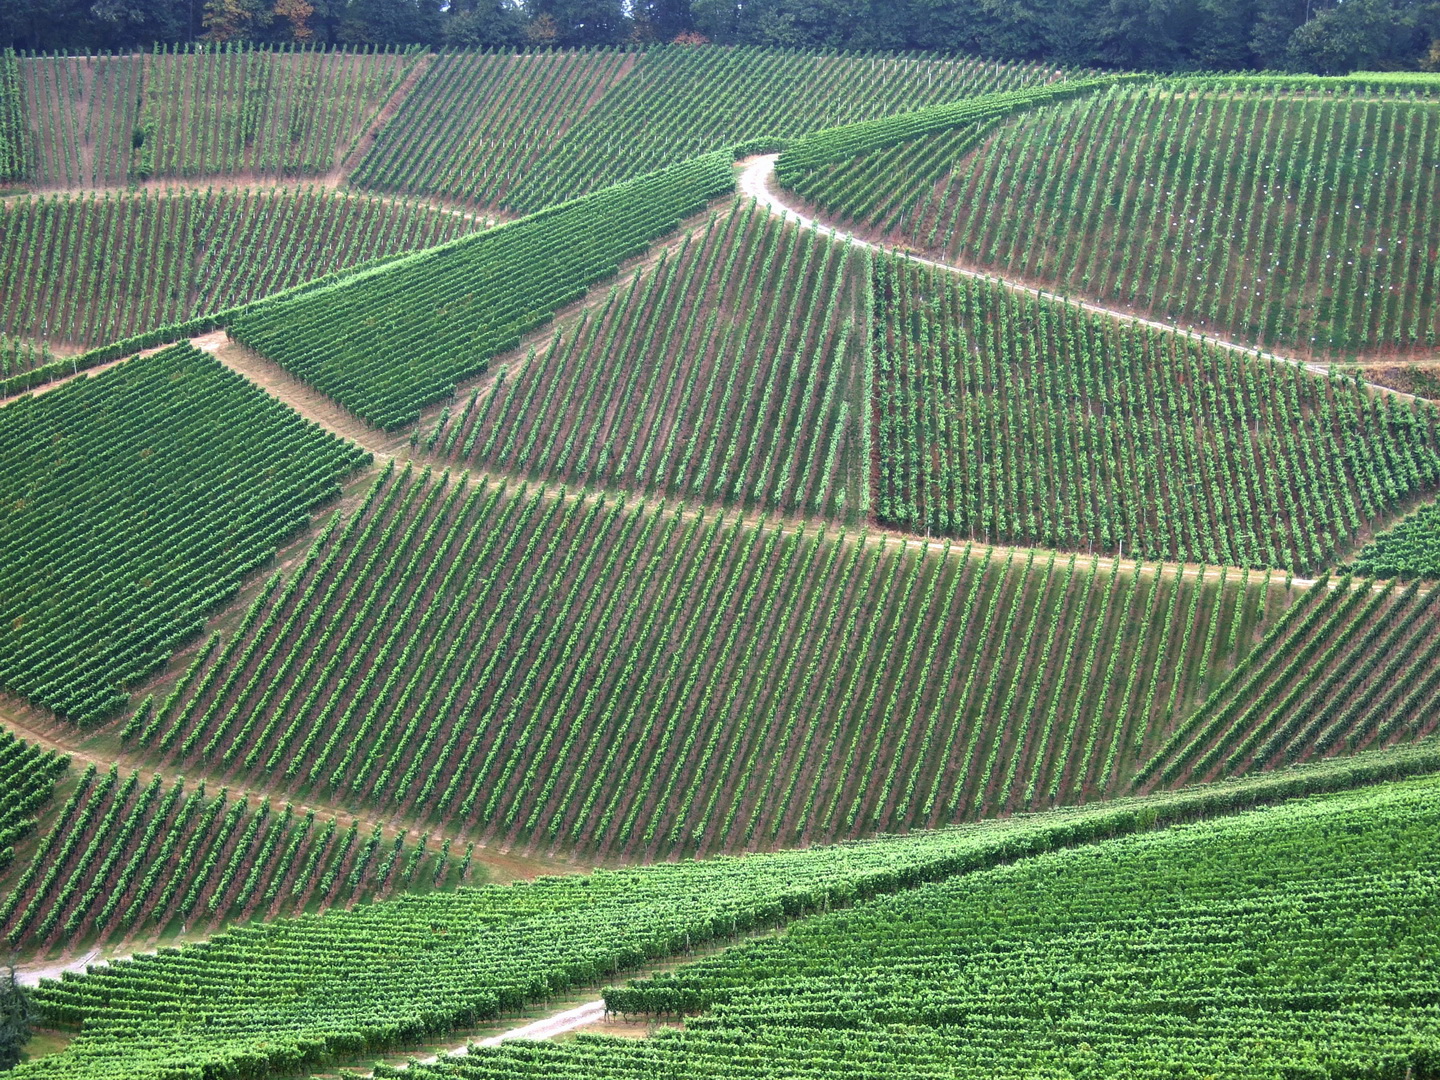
pixel 805 563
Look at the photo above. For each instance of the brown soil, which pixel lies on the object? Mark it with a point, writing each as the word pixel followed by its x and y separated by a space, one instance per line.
pixel 301 397
pixel 387 111
pixel 1421 378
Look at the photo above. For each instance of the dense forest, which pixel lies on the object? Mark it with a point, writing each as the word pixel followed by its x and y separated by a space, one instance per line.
pixel 1324 36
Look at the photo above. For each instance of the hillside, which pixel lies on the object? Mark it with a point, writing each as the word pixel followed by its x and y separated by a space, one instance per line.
pixel 1004 417
pixel 298 992
pixel 387 343
pixel 80 271
pixel 450 651
pixel 126 858
pixel 1293 219
pixel 729 372
pixel 496 546
pixel 132 511
pixel 1273 944
pixel 1350 666
pixel 105 121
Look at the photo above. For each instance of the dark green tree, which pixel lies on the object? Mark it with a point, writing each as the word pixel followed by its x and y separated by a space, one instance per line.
pixel 484 24
pixel 1349 36
pixel 662 20
pixel 17 1018
pixel 583 22
pixel 391 22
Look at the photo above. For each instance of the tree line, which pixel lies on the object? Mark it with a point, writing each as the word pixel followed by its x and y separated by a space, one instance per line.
pixel 1324 36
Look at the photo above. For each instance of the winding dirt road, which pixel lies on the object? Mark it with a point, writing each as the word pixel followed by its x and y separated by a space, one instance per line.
pixel 757 181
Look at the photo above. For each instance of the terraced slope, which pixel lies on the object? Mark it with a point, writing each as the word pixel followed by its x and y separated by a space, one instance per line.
pixel 386 342
pixel 127 857
pixel 106 121
pixel 637 680
pixel 134 504
pixel 1279 943
pixel 679 102
pixel 1291 217
pixel 1410 549
pixel 27 780
pixel 300 992
pixel 475 124
pixel 82 271
pixel 1007 418
pixel 1351 666
pixel 729 373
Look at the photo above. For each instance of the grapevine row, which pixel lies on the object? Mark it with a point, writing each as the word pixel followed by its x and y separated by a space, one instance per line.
pixel 135 503
pixel 632 679
pixel 387 342
pixel 1002 417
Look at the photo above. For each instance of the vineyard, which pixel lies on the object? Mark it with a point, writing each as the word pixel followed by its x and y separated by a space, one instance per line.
pixel 680 102
pixel 1349 666
pixel 303 991
pixel 730 372
pixel 514 662
pixel 828 527
pixel 387 342
pixel 135 502
pixel 127 857
pixel 1288 943
pixel 106 121
pixel 86 270
pixel 1293 220
pixel 27 780
pixel 1004 418
pixel 1410 549
pixel 476 123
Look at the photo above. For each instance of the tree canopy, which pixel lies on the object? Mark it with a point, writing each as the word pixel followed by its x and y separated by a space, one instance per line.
pixel 1326 36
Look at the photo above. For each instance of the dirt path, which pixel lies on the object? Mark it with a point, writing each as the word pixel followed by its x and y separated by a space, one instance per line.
pixel 312 405
pixel 589 1013
pixel 31 974
pixel 757 181
pixel 366 139
pixel 26 722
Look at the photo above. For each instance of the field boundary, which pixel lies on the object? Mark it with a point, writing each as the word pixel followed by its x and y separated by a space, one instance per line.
pixel 756 180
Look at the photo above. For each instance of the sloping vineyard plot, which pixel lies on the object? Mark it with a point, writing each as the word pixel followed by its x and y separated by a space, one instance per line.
pixel 85 270
pixel 17 356
pixel 13 150
pixel 476 122
pixel 104 121
pixel 81 113
pixel 730 372
pixel 27 779
pixel 1012 419
pixel 386 342
pixel 299 991
pixel 1283 943
pixel 634 679
pixel 679 102
pixel 127 857
pixel 1355 664
pixel 133 504
pixel 1410 549
pixel 1300 220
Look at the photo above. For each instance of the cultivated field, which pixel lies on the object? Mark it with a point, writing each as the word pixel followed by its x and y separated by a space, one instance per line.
pixel 866 542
